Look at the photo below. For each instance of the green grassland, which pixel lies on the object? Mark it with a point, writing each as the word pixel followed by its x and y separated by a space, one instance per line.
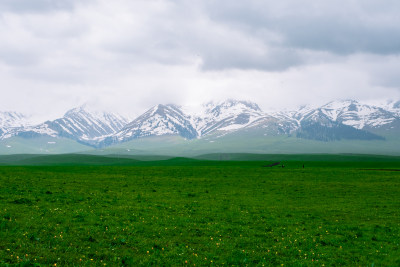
pixel 338 210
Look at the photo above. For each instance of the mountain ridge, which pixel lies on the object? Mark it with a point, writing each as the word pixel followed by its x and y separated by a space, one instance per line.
pixel 77 124
pixel 336 120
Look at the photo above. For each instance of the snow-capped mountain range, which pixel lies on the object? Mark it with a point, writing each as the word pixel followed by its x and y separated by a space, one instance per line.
pixel 81 124
pixel 347 119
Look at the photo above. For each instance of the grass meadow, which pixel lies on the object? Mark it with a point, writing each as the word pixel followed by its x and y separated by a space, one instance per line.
pixel 200 213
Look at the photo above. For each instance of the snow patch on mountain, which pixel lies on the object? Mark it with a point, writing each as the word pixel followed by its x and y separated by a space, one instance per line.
pixel 347 112
pixel 80 123
pixel 159 120
pixel 357 115
pixel 10 121
pixel 229 115
pixel 13 119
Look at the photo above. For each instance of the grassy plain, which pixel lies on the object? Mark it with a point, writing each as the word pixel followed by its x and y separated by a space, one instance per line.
pixel 180 211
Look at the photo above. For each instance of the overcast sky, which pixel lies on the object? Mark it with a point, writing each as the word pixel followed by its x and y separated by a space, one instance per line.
pixel 128 55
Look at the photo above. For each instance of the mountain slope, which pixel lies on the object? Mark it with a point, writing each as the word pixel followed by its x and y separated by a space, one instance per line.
pixel 357 115
pixel 159 120
pixel 79 124
pixel 229 115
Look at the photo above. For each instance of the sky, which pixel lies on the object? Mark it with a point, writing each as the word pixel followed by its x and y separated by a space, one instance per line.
pixel 128 55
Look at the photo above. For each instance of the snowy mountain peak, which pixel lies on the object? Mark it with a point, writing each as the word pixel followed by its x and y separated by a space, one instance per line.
pixel 158 109
pixel 358 115
pixel 232 104
pixel 79 123
pixel 159 120
pixel 74 111
pixel 163 110
pixel 348 112
pixel 10 121
pixel 87 112
pixel 228 115
pixel 338 104
pixel 396 105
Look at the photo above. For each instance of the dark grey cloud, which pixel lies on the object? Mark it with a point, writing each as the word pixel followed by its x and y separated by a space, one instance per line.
pixel 341 37
pixel 17 57
pixel 271 59
pixel 344 27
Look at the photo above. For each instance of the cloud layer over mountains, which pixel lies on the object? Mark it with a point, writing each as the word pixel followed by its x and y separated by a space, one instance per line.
pixel 134 54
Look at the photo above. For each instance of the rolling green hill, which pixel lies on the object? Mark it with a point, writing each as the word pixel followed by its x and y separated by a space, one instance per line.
pixel 217 159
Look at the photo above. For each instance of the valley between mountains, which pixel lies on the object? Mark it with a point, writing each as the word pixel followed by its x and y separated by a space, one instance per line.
pixel 346 126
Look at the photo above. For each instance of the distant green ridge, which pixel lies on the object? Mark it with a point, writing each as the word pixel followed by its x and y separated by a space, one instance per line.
pixel 297 157
pixel 217 159
pixel 64 159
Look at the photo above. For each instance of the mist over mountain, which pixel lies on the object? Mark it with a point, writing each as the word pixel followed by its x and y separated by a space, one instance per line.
pixel 235 120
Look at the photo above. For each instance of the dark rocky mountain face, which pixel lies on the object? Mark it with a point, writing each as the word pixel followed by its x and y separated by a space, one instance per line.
pixel 333 131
